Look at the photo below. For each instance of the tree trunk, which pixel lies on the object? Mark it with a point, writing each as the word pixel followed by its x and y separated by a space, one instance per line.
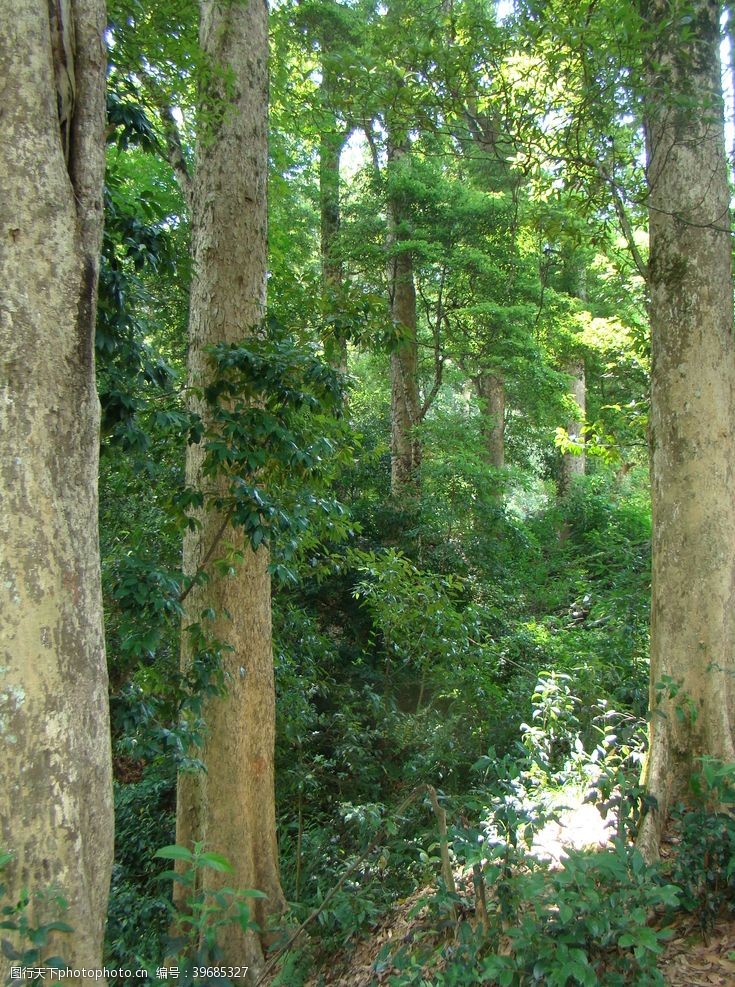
pixel 729 6
pixel 230 806
pixel 692 410
pixel 330 152
pixel 405 404
pixel 491 392
pixel 55 765
pixel 573 465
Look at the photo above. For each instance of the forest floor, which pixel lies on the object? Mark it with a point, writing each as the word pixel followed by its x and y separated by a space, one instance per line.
pixel 688 960
pixel 691 962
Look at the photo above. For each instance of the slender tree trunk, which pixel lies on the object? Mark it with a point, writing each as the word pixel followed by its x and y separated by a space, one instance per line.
pixel 330 152
pixel 230 807
pixel 692 410
pixel 573 465
pixel 405 404
pixel 491 392
pixel 55 769
pixel 332 35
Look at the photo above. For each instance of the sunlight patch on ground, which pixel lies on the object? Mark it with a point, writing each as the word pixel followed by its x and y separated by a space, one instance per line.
pixel 578 825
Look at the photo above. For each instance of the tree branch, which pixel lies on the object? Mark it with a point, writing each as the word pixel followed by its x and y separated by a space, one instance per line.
pixel 175 154
pixel 210 552
pixel 438 355
pixel 625 226
pixel 370 138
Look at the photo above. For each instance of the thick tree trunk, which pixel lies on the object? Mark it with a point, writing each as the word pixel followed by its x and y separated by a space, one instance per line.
pixel 230 806
pixel 405 404
pixel 491 392
pixel 573 466
pixel 55 769
pixel 729 6
pixel 692 411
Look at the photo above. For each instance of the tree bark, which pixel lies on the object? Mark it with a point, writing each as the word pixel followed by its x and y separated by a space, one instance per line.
pixel 330 152
pixel 55 764
pixel 405 404
pixel 573 466
pixel 491 392
pixel 230 807
pixel 692 410
pixel 729 6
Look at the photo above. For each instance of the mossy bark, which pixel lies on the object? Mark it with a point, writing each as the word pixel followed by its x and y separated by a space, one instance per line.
pixel 56 812
pixel 692 409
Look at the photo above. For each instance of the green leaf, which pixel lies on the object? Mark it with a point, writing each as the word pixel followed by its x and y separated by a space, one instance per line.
pixel 57 962
pixel 217 862
pixel 171 875
pixel 648 939
pixel 565 913
pixel 174 852
pixel 8 950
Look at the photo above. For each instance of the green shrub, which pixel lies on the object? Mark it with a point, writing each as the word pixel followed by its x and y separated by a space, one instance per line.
pixel 33 927
pixel 585 924
pixel 704 865
pixel 138 908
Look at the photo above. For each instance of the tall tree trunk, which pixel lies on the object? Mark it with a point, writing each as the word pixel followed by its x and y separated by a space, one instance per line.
pixel 491 392
pixel 573 465
pixel 55 769
pixel 330 152
pixel 230 806
pixel 405 404
pixel 729 6
pixel 692 409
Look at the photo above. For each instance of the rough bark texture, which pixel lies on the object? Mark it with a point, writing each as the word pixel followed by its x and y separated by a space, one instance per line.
pixel 572 465
pixel 491 392
pixel 55 768
pixel 692 411
pixel 729 6
pixel 231 806
pixel 405 404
